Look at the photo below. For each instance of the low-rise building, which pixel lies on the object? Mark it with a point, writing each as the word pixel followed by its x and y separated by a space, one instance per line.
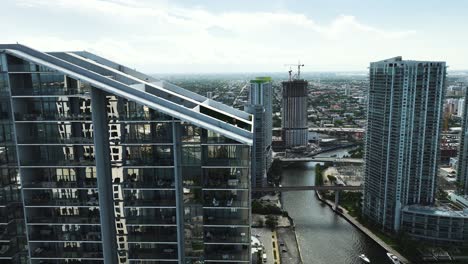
pixel 441 225
pixel 461 200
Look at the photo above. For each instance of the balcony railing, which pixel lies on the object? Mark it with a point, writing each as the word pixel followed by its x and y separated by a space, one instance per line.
pixel 166 254
pixel 58 90
pixel 216 220
pixel 51 117
pixel 147 220
pixel 153 237
pixel 56 140
pixel 51 235
pixel 49 252
pixel 46 183
pixel 227 255
pixel 71 219
pixel 150 202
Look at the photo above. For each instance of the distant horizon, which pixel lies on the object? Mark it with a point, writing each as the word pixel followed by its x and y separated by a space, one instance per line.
pixel 207 36
pixel 259 73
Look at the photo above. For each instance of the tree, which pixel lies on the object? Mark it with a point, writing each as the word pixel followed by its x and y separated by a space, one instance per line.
pixel 261 223
pixel 271 221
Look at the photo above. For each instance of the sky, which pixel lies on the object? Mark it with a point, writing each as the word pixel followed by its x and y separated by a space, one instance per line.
pixel 210 36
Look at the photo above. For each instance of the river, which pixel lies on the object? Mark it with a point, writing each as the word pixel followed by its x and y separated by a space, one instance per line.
pixel 324 237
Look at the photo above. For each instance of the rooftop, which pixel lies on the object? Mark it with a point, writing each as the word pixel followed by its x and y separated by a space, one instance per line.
pixel 400 59
pixel 435 210
pixel 264 79
pixel 130 84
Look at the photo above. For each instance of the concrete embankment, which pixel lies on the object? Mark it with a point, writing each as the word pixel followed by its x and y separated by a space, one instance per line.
pixel 362 228
pixel 288 236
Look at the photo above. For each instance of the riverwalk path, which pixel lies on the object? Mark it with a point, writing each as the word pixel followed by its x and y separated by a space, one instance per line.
pixel 363 229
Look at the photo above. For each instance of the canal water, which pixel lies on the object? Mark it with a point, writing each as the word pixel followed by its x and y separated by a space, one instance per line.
pixel 324 237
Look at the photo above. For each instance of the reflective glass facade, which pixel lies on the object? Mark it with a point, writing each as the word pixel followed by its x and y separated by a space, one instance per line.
pixel 462 167
pixel 176 192
pixel 12 225
pixel 260 106
pixel 403 134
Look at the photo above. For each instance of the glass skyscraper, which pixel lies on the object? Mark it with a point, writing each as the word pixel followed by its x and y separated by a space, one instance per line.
pixel 403 133
pixel 462 167
pixel 103 164
pixel 260 106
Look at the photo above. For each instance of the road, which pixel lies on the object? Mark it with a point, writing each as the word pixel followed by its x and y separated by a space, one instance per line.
pixel 264 235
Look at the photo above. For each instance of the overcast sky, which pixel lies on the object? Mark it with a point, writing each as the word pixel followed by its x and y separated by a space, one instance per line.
pixel 193 36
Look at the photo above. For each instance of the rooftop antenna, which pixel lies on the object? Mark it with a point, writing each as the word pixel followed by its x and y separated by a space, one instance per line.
pixel 298 75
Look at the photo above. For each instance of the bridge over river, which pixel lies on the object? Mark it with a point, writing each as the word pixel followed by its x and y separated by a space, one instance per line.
pixel 335 188
pixel 307 188
pixel 322 159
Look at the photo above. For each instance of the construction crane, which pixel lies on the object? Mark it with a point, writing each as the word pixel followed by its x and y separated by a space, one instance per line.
pixel 298 75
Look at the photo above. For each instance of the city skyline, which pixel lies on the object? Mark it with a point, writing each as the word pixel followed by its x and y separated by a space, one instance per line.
pixel 175 174
pixel 224 37
pixel 207 131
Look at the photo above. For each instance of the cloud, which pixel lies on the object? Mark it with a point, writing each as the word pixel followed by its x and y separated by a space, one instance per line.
pixel 151 34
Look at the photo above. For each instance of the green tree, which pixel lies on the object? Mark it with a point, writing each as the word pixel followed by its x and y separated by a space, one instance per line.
pixel 271 221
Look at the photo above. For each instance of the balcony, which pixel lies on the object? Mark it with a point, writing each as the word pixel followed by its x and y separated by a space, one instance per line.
pixel 59 163
pixel 51 90
pixel 225 199
pixel 226 155
pixel 150 216
pixel 49 251
pixel 47 184
pixel 158 184
pixel 149 203
pixel 220 162
pixel 7 232
pixel 227 253
pixel 163 252
pixel 227 235
pixel 145 220
pixel 65 220
pixel 60 197
pixel 220 221
pixel 56 140
pixel 64 215
pixel 170 236
pixel 228 178
pixel 225 183
pixel 163 198
pixel 45 233
pixel 52 117
pixel 7 250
